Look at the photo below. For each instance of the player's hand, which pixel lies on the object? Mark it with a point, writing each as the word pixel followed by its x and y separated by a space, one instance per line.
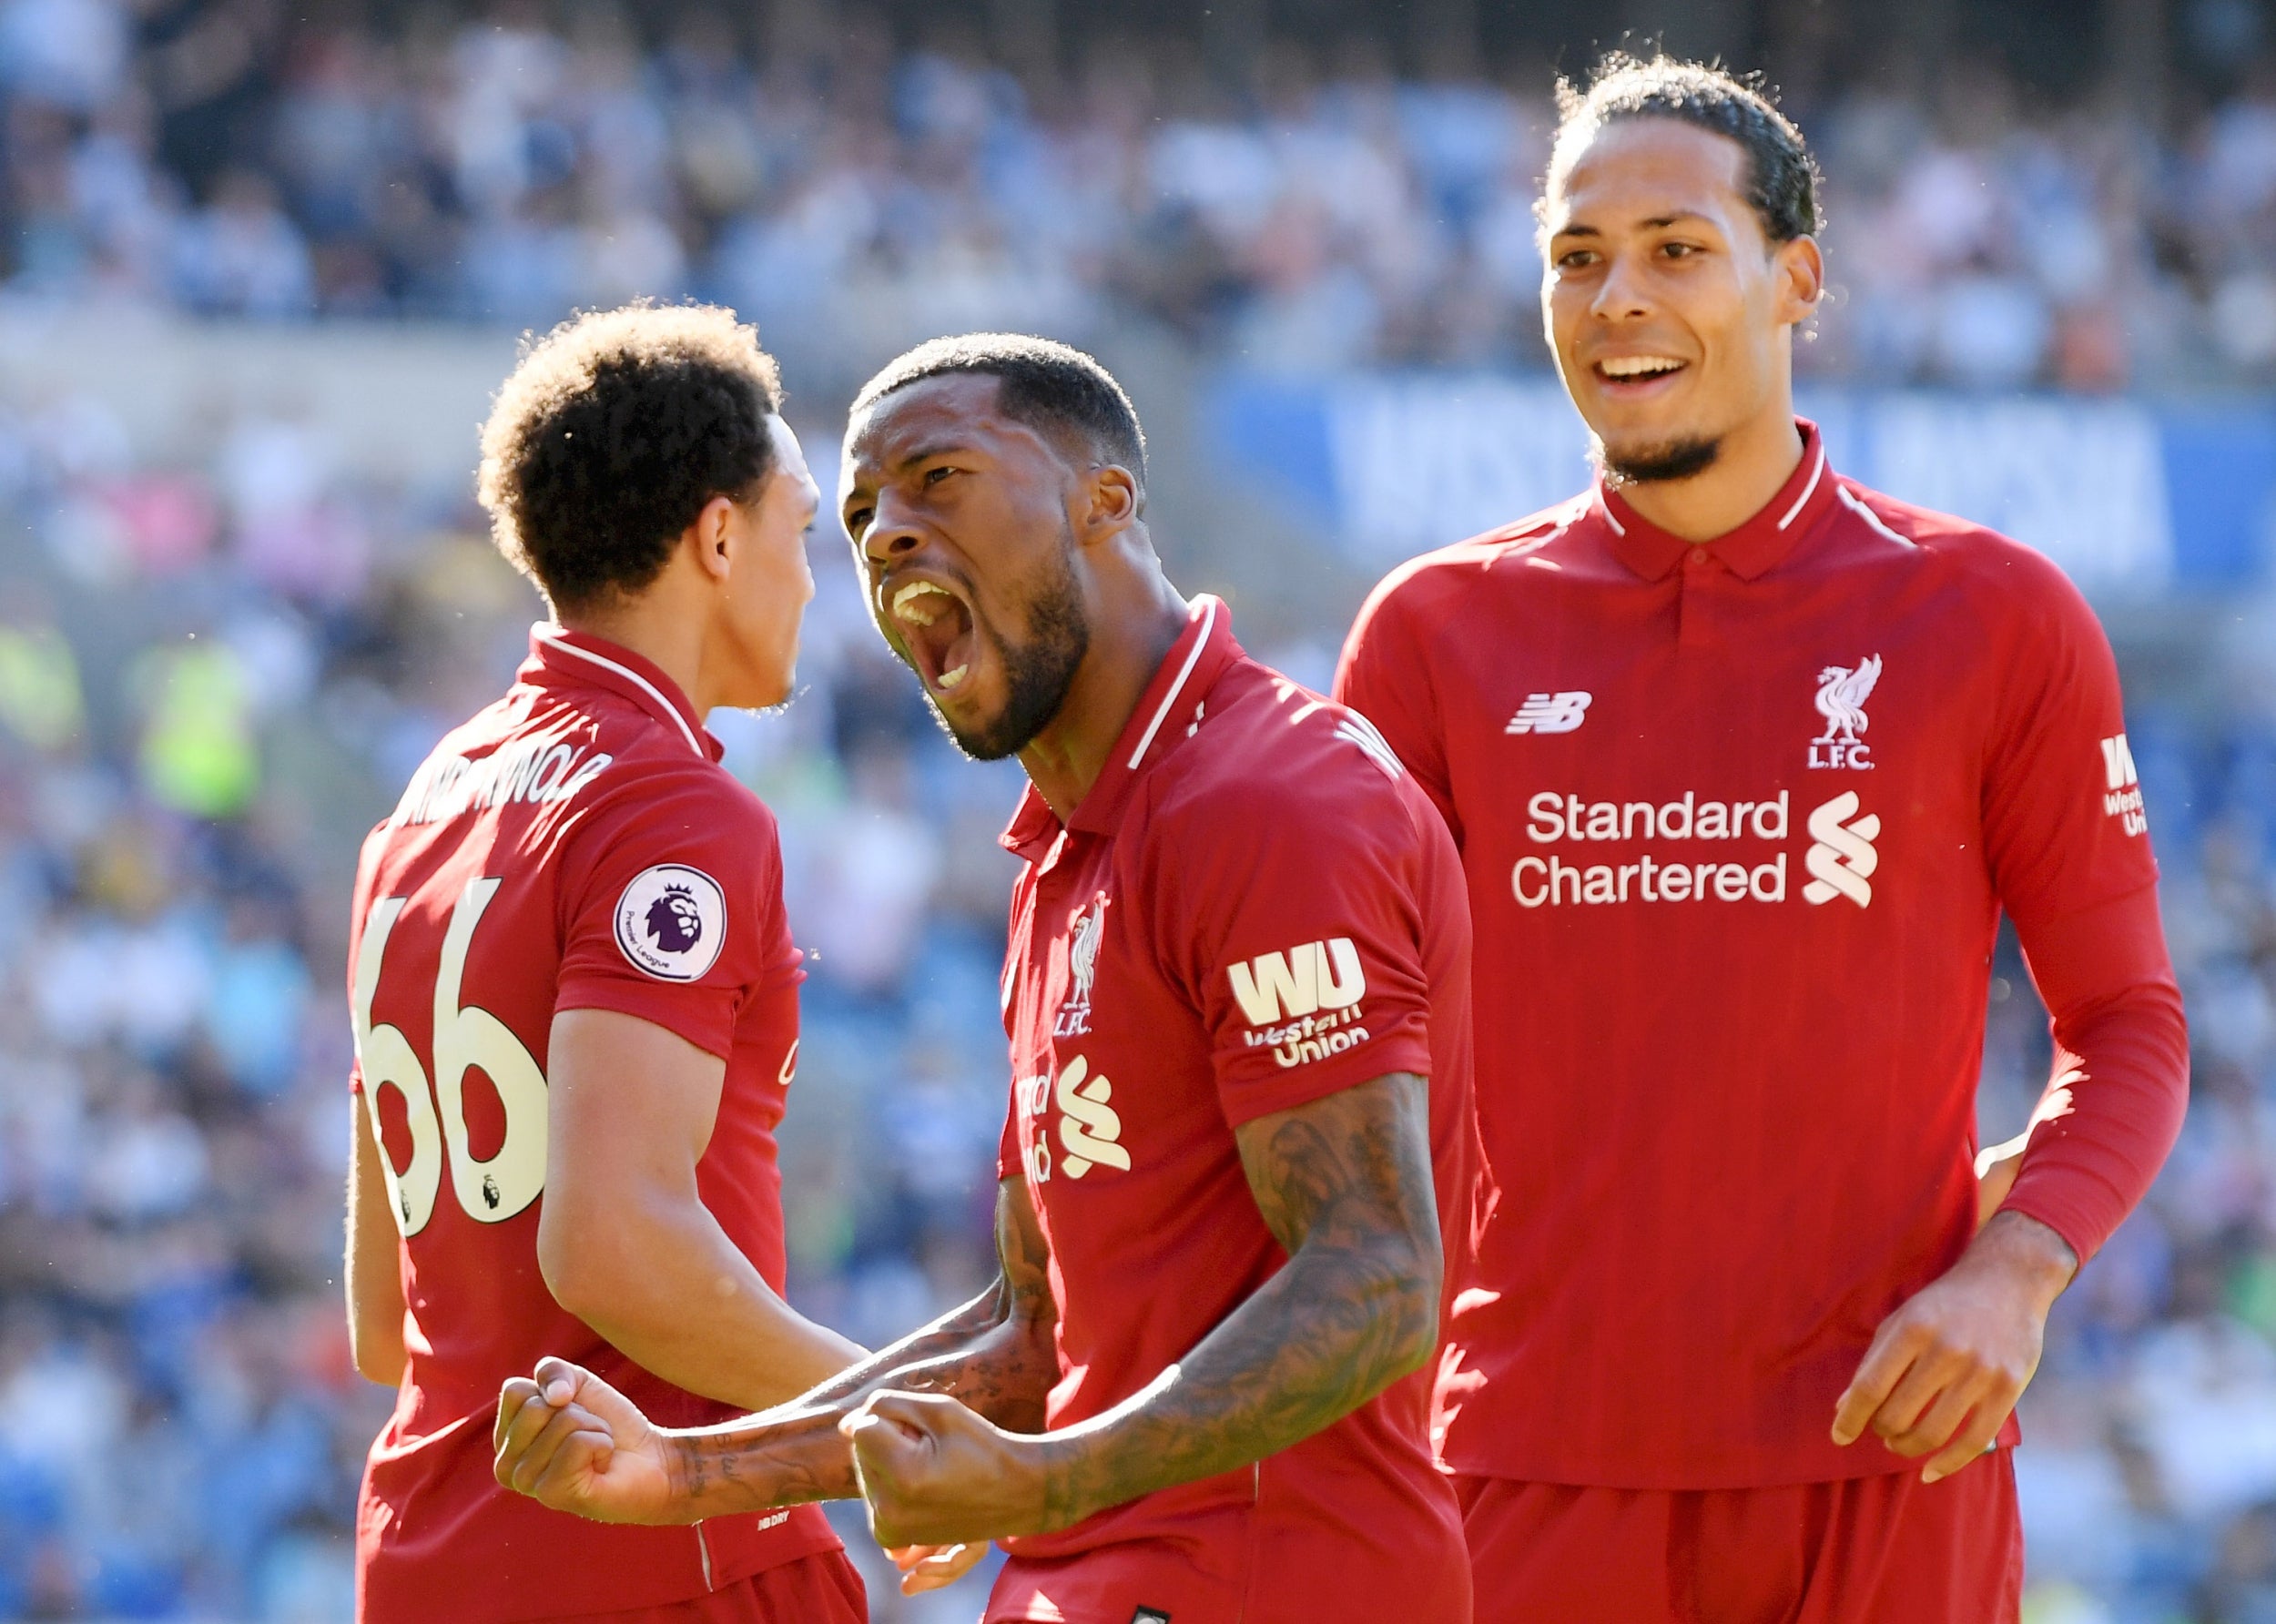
pixel 936 1473
pixel 570 1441
pixel 935 1567
pixel 1945 1370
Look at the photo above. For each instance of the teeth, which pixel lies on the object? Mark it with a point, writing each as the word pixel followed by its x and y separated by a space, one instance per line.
pixel 905 607
pixel 1639 366
pixel 948 679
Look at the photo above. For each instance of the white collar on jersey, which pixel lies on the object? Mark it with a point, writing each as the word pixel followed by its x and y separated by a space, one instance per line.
pixel 552 640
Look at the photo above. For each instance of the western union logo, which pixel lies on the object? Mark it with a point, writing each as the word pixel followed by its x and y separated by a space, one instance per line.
pixel 1303 980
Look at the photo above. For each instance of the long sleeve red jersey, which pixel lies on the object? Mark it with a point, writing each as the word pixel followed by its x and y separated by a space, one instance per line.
pixel 1738 822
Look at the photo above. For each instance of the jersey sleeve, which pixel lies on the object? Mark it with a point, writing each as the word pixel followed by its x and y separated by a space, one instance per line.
pixel 2063 818
pixel 2066 832
pixel 672 898
pixel 1385 675
pixel 1298 933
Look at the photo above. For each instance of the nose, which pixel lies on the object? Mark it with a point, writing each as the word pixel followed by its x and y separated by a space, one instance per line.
pixel 1621 296
pixel 892 535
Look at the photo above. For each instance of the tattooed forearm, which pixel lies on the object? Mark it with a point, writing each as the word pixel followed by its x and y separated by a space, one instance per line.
pixel 1344 1184
pixel 995 1354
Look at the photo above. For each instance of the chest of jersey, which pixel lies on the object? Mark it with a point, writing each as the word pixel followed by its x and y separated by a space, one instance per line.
pixel 1116 1111
pixel 1766 755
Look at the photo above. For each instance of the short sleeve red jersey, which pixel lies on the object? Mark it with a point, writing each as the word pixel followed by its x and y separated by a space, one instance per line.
pixel 1738 821
pixel 1253 907
pixel 574 846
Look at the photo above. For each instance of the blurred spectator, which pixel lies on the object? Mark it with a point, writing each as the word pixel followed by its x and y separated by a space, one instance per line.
pixel 1309 218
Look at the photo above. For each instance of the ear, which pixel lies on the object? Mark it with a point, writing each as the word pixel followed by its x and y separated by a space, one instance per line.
pixel 712 538
pixel 1109 502
pixel 1801 280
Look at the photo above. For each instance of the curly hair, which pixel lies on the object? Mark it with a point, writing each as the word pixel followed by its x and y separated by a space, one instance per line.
pixel 612 432
pixel 1781 175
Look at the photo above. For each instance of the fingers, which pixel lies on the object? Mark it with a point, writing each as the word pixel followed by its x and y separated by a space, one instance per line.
pixel 535 1461
pixel 562 1381
pixel 1973 1441
pixel 1932 1374
pixel 518 1392
pixel 524 1414
pixel 1933 1426
pixel 567 1479
pixel 935 1567
pixel 1884 1365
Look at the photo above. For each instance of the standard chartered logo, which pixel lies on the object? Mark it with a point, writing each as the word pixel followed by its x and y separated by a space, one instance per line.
pixel 1691 850
pixel 1841 858
pixel 1088 1130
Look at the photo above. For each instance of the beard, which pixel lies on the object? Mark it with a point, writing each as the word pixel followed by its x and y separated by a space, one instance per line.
pixel 1038 670
pixel 1650 464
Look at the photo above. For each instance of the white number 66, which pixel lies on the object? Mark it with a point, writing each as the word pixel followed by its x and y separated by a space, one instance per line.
pixel 466 1037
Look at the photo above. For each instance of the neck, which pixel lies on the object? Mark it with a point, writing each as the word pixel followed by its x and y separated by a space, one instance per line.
pixel 1752 461
pixel 1133 630
pixel 668 634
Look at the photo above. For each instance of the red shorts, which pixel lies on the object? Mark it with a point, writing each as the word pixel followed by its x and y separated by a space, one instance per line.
pixel 1232 1566
pixel 1874 1551
pixel 821 1588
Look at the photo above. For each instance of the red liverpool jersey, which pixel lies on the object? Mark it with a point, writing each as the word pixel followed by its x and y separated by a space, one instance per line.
pixel 1738 821
pixel 1253 907
pixel 574 846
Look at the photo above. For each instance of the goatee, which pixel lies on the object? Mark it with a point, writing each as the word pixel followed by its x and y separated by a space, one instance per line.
pixel 1037 672
pixel 1649 464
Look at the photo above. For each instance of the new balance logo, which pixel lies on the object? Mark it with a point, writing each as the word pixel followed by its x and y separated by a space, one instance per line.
pixel 2122 786
pixel 1550 713
pixel 1303 980
pixel 1841 858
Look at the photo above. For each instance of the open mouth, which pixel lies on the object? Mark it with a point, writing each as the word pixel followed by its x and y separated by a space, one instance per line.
pixel 935 625
pixel 1637 371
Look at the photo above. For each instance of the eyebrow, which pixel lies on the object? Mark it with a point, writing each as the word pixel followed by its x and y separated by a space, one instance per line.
pixel 924 453
pixel 1656 222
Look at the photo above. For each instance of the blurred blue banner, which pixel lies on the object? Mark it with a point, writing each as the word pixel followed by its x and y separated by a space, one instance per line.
pixel 2128 496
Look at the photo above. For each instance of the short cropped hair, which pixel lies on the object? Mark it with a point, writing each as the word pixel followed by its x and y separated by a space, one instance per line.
pixel 1781 177
pixel 612 432
pixel 1048 386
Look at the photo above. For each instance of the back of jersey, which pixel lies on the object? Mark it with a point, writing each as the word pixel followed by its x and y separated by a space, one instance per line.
pixel 574 846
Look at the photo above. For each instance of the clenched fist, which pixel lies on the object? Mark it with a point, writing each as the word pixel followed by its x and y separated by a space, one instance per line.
pixel 936 1473
pixel 569 1440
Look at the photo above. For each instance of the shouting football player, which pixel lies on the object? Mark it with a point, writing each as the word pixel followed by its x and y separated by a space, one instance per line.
pixel 1237 997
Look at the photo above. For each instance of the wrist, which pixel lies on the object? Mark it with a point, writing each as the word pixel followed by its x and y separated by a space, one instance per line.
pixel 1061 1499
pixel 2030 1255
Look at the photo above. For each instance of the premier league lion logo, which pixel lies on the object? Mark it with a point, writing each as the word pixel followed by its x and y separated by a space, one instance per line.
pixel 674 923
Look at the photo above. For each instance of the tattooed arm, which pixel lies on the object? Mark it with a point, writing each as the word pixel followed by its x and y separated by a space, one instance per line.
pixel 1344 1184
pixel 573 1442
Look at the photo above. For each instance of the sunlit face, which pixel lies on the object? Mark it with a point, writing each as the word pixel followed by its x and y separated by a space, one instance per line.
pixel 1669 311
pixel 962 521
pixel 768 583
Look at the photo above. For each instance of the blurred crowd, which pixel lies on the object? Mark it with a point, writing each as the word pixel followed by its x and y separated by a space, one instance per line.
pixel 1308 212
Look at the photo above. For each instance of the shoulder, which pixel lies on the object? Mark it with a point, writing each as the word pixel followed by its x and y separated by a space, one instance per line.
pixel 1430 588
pixel 1271 758
pixel 2002 579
